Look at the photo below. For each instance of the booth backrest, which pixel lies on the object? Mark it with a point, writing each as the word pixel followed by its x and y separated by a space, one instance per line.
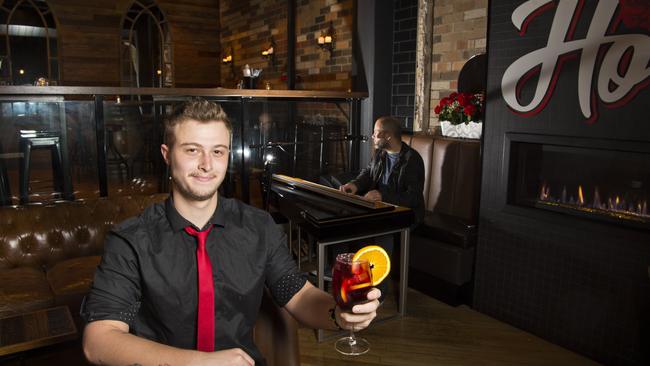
pixel 452 174
pixel 40 236
pixel 424 146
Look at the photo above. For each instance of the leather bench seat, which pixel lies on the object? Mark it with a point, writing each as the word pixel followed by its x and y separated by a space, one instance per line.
pixel 443 246
pixel 23 289
pixel 447 262
pixel 448 229
pixel 71 279
pixel 48 253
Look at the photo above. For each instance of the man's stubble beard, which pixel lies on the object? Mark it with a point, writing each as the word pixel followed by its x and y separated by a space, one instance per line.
pixel 186 191
pixel 382 144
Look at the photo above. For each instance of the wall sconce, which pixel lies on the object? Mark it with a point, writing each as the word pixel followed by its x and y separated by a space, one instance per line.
pixel 326 40
pixel 228 60
pixel 269 52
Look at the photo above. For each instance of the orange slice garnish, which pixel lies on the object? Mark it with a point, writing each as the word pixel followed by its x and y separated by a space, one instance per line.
pixel 378 259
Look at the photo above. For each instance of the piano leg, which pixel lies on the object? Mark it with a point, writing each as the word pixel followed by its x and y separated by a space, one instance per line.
pixel 321 266
pixel 404 270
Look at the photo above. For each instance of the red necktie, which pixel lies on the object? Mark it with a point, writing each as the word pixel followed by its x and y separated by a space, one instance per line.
pixel 205 324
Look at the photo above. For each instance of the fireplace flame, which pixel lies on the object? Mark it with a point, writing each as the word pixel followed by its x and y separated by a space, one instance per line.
pixel 544 192
pixel 581 197
pixel 622 205
pixel 597 202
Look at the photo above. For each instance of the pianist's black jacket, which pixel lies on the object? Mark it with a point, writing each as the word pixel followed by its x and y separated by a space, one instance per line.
pixel 405 183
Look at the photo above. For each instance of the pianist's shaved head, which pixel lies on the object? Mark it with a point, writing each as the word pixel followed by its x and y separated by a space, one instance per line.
pixel 197 109
pixel 391 125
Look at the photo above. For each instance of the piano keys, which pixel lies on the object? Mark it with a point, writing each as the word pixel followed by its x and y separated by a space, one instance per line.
pixel 327 213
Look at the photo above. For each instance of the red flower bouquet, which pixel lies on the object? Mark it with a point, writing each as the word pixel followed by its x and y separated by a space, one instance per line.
pixel 460 108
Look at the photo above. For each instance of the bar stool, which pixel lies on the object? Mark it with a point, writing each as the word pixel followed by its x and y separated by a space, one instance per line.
pixel 30 140
pixel 114 158
pixel 5 191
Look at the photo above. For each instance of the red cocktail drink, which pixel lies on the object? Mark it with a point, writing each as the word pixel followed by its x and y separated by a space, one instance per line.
pixel 351 281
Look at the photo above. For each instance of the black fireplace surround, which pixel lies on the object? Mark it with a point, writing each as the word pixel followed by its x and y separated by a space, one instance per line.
pixel 572 270
pixel 564 234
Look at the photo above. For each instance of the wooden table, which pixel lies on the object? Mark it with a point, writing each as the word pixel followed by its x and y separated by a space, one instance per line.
pixel 36 329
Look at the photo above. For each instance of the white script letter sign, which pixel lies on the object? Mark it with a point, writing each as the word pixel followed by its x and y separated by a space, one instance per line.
pixel 622 72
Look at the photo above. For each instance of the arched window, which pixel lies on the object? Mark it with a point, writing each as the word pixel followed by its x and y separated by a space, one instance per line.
pixel 146 47
pixel 29 49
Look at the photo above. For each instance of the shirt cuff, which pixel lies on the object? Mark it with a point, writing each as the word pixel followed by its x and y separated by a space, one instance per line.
pixel 287 286
pixel 125 315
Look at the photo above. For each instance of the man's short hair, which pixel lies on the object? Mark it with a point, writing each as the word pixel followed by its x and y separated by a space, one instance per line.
pixel 197 109
pixel 391 125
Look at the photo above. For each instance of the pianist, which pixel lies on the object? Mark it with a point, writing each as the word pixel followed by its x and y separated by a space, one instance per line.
pixel 395 175
pixel 181 284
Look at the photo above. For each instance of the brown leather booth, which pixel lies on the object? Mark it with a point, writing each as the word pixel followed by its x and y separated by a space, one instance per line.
pixel 48 256
pixel 443 246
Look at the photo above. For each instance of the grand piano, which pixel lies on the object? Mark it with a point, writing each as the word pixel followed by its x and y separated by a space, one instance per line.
pixel 333 217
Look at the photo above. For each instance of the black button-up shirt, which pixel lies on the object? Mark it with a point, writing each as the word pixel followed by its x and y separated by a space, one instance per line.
pixel 147 277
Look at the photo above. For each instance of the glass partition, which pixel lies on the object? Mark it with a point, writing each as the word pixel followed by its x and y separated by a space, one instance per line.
pixel 303 139
pixel 78 145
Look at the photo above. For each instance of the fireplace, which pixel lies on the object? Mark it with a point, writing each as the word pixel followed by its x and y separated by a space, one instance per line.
pixel 593 179
pixel 563 237
pixel 564 226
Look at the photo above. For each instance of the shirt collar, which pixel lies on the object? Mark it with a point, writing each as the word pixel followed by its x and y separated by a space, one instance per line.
pixel 179 223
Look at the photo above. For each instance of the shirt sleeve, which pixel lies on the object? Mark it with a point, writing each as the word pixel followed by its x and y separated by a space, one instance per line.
pixel 115 292
pixel 283 278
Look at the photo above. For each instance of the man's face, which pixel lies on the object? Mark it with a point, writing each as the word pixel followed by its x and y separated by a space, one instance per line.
pixel 379 137
pixel 198 159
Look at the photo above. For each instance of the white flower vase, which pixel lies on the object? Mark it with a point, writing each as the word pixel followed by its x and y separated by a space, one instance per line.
pixel 469 130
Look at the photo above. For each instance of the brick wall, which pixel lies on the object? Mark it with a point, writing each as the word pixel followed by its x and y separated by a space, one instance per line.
pixel 247 28
pixel 314 66
pixel 89 39
pixel 459 32
pixel 202 32
pixel 404 44
pixel 194 28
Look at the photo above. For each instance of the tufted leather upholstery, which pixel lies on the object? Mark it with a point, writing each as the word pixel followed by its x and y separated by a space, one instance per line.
pixel 443 245
pixel 48 256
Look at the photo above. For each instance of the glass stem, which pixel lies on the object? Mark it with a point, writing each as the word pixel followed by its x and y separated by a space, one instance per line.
pixel 353 339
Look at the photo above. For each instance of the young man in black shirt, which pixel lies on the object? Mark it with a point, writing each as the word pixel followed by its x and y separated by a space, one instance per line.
pixel 181 284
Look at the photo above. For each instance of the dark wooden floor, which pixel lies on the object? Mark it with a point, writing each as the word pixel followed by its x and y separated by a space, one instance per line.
pixel 434 333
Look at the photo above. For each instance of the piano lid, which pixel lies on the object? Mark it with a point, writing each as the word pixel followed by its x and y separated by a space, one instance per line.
pixel 332 193
pixel 328 213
